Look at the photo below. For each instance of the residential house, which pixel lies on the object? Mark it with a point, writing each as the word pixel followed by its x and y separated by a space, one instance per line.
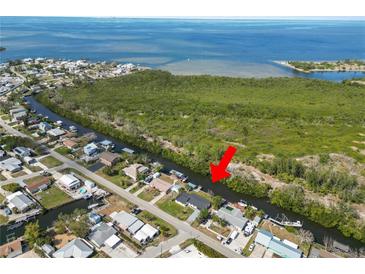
pixel 94 218
pixel 19 201
pixel 133 170
pixel 77 248
pixel 266 239
pixel 18 113
pixel 233 216
pixel 11 164
pixel 91 149
pixel 104 234
pixel 56 132
pixel 160 184
pixel 38 185
pixel 137 225
pixel 107 145
pixel 29 160
pixel 109 158
pixel 192 200
pixel 70 144
pixel 22 151
pixel 146 233
pixel 70 182
pixel 44 126
pixel 12 249
pixel 123 219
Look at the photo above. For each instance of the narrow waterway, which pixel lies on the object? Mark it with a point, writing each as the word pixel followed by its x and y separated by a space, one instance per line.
pixel 45 220
pixel 318 231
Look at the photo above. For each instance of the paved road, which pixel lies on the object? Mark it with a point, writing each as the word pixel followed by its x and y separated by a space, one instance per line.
pixel 180 225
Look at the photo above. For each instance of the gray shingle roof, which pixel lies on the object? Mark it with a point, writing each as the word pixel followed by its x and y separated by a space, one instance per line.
pixel 77 248
pixel 101 233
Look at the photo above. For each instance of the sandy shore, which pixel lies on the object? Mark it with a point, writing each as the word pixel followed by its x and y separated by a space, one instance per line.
pixel 347 68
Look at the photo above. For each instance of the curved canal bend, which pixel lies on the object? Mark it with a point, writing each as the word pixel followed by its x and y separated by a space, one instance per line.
pixel 318 231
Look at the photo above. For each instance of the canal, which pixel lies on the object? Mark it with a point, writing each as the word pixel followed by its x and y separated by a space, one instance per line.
pixel 45 220
pixel 318 231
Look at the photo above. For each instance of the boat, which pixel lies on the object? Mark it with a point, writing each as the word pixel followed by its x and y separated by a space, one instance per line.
pixel 94 205
pixel 284 221
pixel 72 128
pixel 59 123
pixel 243 203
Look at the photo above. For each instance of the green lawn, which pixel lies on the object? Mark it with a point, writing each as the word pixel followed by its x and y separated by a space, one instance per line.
pixel 50 161
pixel 174 209
pixel 2 178
pixel 53 197
pixel 63 150
pixel 34 168
pixel 148 194
pixel 18 174
pixel 119 180
pixel 2 198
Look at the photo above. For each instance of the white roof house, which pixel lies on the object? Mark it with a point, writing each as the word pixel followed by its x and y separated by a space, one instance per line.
pixel 90 149
pixel 137 225
pixel 11 164
pixel 123 219
pixel 69 181
pixel 56 132
pixel 146 233
pixel 77 248
pixel 19 201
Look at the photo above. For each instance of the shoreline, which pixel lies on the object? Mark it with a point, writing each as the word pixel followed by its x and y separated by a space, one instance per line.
pixel 288 65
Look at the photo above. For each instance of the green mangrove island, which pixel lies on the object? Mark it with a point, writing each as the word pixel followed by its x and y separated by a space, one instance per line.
pixel 304 137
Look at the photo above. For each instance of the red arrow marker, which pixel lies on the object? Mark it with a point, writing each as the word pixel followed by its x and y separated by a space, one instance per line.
pixel 219 171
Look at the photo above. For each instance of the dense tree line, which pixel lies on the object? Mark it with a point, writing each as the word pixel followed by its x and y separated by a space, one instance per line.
pixel 316 179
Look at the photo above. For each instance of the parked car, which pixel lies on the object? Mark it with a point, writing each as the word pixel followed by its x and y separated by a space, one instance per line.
pixel 229 240
pixel 136 211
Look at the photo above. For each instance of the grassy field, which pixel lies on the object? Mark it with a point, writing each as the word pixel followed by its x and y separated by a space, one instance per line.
pixel 2 198
pixel 174 209
pixel 50 161
pixel 53 197
pixel 280 116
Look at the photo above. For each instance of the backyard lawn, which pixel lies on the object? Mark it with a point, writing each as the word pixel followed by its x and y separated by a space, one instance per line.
pixel 174 209
pixel 2 198
pixel 50 161
pixel 53 197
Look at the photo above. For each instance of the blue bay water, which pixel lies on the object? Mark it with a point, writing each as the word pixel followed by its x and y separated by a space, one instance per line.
pixel 221 47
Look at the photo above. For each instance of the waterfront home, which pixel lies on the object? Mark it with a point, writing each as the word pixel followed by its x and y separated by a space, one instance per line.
pixel 233 216
pixel 44 127
pixel 22 151
pixel 19 201
pixel 146 233
pixel 18 113
pixel 91 149
pixel 56 132
pixel 160 184
pixel 94 218
pixel 123 219
pixel 103 234
pixel 107 145
pixel 77 248
pixel 109 158
pixel 133 170
pixel 279 248
pixel 69 182
pixel 12 249
pixel 11 164
pixel 192 200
